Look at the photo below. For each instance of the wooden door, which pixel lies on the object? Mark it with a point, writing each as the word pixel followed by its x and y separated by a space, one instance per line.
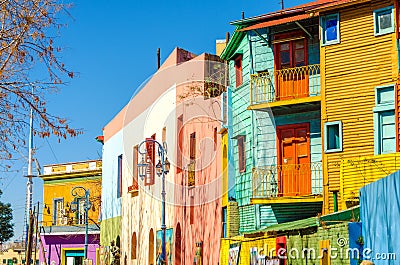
pixel 292 75
pixel 294 175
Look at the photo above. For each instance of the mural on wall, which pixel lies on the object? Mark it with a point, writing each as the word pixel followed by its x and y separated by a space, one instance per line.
pixel 168 245
pixel 233 255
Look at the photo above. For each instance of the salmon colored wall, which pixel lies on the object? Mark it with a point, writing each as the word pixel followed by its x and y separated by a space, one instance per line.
pixel 202 117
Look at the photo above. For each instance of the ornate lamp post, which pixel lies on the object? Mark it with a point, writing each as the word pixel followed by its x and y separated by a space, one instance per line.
pixel 162 168
pixel 79 193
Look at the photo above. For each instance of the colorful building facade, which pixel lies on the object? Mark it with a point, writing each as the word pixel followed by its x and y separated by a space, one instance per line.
pixel 179 106
pixel 276 96
pixel 62 233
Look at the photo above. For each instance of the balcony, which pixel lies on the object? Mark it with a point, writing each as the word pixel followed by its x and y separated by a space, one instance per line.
pixel 191 177
pixel 358 172
pixel 287 183
pixel 134 188
pixel 299 85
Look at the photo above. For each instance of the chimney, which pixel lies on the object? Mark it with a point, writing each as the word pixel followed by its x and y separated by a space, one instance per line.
pixel 221 44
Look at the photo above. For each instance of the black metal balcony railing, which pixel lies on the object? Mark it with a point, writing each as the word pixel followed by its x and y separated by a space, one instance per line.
pixel 285 84
pixel 287 180
pixel 191 181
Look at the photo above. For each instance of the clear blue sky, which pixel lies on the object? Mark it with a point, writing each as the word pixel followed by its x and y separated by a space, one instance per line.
pixel 112 45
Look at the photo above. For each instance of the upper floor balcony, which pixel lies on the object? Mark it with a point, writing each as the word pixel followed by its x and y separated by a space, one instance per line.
pixel 289 86
pixel 289 183
pixel 357 172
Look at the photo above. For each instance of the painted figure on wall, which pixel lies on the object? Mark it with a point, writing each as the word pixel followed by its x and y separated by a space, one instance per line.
pixel 168 245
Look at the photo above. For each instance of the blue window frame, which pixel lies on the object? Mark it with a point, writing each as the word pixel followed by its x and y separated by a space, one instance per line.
pixel 333 137
pixel 384 21
pixel 119 184
pixel 224 222
pixel 384 120
pixel 330 26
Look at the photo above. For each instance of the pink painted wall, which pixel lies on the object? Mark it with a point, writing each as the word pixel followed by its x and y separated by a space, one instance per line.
pixel 202 117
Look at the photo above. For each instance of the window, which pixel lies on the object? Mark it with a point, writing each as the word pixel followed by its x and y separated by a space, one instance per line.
pixel 191 212
pixel 192 165
pixel 215 138
pixel 164 135
pixel 239 70
pixel 192 146
pixel 81 213
pixel 292 53
pixel 384 121
pixel 119 184
pixel 224 108
pixel 241 154
pixel 135 168
pixel 333 137
pixel 384 21
pixel 133 246
pixel 58 213
pixel 151 160
pixel 330 29
pixel 224 222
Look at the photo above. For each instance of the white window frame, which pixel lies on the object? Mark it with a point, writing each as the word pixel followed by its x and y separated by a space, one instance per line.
pixel 377 110
pixel 377 31
pixel 326 139
pixel 323 29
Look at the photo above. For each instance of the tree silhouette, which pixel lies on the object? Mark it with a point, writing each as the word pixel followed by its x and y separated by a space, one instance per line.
pixel 6 225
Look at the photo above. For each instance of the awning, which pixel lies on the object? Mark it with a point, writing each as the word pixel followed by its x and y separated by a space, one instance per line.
pixel 277 22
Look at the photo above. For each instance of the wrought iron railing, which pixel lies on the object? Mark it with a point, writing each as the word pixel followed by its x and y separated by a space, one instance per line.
pixel 285 84
pixel 287 180
pixel 191 181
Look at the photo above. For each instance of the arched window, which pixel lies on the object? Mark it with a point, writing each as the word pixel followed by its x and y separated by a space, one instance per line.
pixel 133 246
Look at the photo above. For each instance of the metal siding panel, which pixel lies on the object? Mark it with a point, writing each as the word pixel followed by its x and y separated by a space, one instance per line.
pixel 296 211
pixel 358 172
pixel 267 216
pixel 353 68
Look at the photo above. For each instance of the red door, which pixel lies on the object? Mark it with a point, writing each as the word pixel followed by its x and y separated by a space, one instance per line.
pixel 292 74
pixel 294 174
pixel 281 251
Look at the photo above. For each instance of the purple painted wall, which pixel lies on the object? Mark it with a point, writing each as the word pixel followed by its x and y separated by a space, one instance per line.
pixel 53 245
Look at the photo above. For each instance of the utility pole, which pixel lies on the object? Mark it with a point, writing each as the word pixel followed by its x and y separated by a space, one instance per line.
pixel 28 256
pixel 36 230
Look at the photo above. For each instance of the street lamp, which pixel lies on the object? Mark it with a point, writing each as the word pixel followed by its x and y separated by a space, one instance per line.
pixel 78 195
pixel 162 168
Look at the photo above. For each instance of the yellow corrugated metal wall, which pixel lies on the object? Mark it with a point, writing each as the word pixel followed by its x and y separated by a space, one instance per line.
pixel 358 172
pixel 350 72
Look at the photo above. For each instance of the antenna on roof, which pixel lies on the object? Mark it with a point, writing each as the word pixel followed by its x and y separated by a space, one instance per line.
pixel 242 14
pixel 282 4
pixel 158 58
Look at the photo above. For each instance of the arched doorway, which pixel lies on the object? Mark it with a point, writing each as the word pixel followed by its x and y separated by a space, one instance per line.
pixel 178 244
pixel 151 247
